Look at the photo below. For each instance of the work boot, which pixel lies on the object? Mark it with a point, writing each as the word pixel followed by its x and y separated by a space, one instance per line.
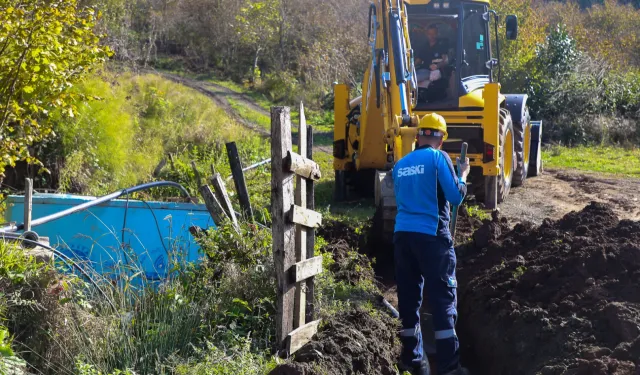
pixel 458 371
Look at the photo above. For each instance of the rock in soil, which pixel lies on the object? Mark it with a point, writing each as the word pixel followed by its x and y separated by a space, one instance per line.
pixel 352 342
pixel 561 298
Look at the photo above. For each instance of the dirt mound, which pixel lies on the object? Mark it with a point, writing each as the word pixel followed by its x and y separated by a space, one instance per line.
pixel 354 342
pixel 349 265
pixel 561 298
pixel 334 231
pixel 466 225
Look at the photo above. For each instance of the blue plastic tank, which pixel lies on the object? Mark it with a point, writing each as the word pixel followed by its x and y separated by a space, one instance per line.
pixel 147 237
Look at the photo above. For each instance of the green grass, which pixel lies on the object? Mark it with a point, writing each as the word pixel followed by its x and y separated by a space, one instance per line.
pixel 609 160
pixel 118 140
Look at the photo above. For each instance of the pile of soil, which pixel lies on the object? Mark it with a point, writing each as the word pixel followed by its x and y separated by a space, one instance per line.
pixel 353 342
pixel 349 265
pixel 466 225
pixel 334 231
pixel 561 298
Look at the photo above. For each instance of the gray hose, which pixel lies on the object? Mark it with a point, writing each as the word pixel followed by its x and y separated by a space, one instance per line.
pixel 97 201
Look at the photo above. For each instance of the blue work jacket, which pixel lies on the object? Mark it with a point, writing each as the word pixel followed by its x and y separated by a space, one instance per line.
pixel 425 182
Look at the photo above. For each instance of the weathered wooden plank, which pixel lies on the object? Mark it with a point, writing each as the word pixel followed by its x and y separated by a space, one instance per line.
pixel 307 268
pixel 302 335
pixel 302 166
pixel 305 217
pixel 223 197
pixel 301 230
pixel 239 181
pixel 28 203
pixel 283 232
pixel 213 205
pixel 311 239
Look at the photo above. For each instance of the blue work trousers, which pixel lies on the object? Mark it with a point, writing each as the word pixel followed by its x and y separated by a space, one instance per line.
pixel 423 259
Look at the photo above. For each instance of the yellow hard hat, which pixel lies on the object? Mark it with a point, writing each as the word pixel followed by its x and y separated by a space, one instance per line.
pixel 432 124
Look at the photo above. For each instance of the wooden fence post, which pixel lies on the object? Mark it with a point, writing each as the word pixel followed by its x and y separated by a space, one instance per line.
pixel 295 265
pixel 282 230
pixel 239 181
pixel 301 231
pixel 221 193
pixel 28 203
pixel 211 202
pixel 311 239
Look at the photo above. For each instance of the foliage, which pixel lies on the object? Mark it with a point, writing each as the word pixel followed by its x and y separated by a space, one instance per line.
pixel 239 360
pixel 258 23
pixel 198 314
pixel 9 362
pixel 23 302
pixel 554 59
pixel 119 139
pixel 45 48
pixel 579 66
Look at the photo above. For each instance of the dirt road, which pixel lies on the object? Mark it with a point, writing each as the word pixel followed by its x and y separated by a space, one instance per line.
pixel 558 192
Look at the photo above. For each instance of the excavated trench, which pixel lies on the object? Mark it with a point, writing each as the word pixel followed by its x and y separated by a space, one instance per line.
pixel 560 298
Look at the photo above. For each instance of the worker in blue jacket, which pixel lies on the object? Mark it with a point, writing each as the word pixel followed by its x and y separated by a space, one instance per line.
pixel 425 184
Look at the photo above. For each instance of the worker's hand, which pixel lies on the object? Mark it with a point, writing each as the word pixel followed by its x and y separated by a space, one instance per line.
pixel 464 168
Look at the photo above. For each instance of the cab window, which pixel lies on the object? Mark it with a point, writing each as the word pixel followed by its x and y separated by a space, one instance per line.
pixel 475 42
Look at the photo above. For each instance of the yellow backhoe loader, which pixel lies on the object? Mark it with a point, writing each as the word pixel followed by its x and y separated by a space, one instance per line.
pixel 376 129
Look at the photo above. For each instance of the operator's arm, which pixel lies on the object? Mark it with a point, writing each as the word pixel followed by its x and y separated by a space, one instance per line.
pixel 454 190
pixel 444 48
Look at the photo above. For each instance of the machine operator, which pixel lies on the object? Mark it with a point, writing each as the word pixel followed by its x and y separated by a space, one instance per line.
pixel 431 59
pixel 425 183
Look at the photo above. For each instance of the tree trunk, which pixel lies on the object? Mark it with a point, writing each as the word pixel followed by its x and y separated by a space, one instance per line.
pixel 254 76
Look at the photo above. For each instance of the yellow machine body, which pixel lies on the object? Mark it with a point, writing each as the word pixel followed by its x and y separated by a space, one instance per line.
pixel 376 129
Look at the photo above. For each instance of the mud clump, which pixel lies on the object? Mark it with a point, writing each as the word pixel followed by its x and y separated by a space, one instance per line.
pixel 353 342
pixel 561 298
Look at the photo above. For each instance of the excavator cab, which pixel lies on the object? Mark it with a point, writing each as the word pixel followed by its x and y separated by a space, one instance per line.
pixel 434 56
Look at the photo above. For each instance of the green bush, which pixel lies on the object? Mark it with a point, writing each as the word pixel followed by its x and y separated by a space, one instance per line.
pixel 225 305
pixel 26 305
pixel 118 139
pixel 582 99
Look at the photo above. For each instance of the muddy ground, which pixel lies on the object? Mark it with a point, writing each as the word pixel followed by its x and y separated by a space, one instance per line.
pixel 353 342
pixel 561 298
pixel 356 341
pixel 558 192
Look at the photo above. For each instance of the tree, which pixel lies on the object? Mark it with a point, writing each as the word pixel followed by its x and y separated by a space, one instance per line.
pixel 45 47
pixel 258 24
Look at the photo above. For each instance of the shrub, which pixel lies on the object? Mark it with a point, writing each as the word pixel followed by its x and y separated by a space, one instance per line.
pixel 118 139
pixel 225 306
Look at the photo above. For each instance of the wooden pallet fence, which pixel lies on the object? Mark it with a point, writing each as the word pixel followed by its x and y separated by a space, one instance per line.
pixel 292 222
